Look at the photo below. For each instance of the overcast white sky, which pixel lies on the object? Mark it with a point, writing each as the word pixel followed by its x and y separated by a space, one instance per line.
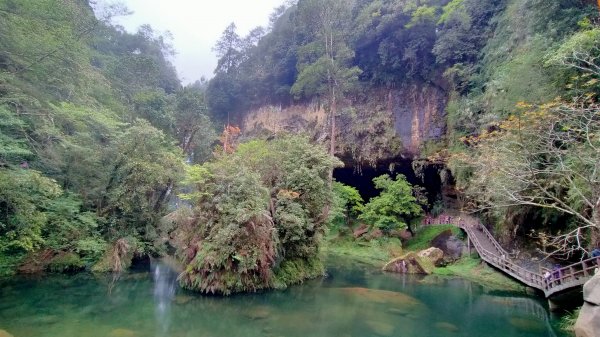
pixel 196 25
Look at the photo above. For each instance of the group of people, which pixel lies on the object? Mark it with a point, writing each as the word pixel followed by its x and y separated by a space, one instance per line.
pixel 555 272
pixel 442 219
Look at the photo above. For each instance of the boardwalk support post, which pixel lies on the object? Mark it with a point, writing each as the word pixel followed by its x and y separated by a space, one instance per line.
pixel 553 306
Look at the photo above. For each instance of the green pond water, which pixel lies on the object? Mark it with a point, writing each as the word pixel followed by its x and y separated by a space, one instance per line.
pixel 353 300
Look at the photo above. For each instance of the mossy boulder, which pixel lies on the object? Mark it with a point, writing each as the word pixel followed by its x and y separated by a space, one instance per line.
pixel 410 263
pixel 66 262
pixel 435 255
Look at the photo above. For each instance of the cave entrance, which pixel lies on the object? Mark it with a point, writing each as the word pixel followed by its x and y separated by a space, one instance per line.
pixel 362 180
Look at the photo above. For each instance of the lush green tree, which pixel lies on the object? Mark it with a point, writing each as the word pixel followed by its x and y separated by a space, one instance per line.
pixel 13 143
pixel 347 204
pixel 395 208
pixel 135 62
pixel 192 124
pixel 24 198
pixel 393 40
pixel 155 106
pixel 79 164
pixel 140 178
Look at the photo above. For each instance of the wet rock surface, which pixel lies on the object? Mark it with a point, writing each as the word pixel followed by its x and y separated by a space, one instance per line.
pixel 435 255
pixel 588 322
pixel 410 263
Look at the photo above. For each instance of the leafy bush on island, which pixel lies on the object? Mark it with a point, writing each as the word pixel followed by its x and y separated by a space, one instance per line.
pixel 258 217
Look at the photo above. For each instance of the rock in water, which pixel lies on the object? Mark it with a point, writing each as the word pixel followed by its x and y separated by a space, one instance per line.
pixel 258 312
pixel 446 326
pixel 182 299
pixel 410 263
pixel 4 333
pixel 394 299
pixel 399 311
pixel 435 255
pixel 588 322
pixel 380 328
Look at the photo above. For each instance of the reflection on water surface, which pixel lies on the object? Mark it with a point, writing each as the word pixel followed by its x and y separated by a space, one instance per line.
pixel 352 301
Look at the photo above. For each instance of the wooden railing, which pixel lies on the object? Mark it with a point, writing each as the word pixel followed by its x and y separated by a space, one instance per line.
pixel 570 276
pixel 559 280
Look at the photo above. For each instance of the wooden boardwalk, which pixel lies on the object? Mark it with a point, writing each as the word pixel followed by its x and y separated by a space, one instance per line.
pixel 491 252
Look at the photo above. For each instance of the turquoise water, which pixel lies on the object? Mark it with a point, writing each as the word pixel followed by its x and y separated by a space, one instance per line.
pixel 352 301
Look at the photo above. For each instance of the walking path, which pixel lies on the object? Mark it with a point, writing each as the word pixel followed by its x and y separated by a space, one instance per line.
pixel 555 281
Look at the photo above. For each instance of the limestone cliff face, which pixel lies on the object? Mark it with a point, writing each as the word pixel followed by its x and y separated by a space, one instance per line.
pixel 273 119
pixel 386 124
pixel 419 114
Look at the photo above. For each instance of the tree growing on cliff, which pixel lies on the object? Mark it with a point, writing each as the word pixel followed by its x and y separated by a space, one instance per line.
pixel 325 63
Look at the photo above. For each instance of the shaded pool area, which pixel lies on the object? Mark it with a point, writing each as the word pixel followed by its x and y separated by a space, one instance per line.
pixel 353 300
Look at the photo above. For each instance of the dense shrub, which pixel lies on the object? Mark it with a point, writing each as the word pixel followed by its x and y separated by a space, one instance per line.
pixel 257 218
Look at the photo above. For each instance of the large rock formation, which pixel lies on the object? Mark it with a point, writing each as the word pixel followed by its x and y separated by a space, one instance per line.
pixel 452 246
pixel 588 323
pixel 435 255
pixel 419 114
pixel 382 126
pixel 410 263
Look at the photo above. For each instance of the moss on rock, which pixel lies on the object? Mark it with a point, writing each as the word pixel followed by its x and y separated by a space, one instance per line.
pixel 410 263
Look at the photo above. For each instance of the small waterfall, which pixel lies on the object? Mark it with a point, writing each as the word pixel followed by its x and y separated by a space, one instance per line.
pixel 165 282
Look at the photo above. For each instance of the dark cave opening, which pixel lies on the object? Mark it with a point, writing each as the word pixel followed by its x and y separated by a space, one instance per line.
pixel 362 179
